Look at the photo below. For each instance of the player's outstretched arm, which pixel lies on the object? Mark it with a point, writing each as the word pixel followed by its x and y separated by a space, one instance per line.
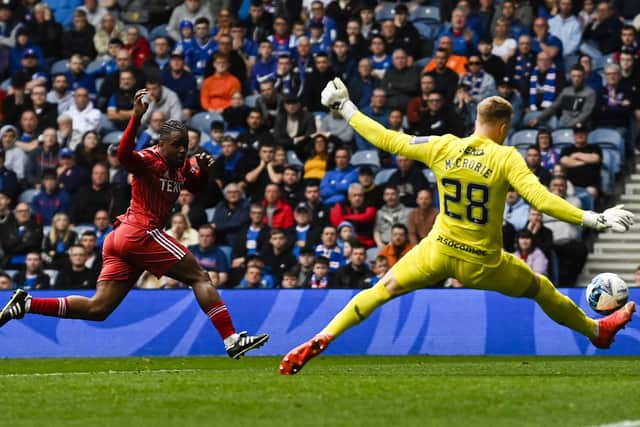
pixel 336 97
pixel 529 187
pixel 130 159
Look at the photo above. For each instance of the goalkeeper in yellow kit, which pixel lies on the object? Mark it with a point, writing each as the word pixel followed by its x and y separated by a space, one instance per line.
pixel 474 175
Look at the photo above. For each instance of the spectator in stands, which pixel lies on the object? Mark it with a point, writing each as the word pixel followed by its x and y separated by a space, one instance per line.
pixel 231 215
pixel 490 63
pixel 508 13
pixel 265 67
pixel 290 280
pixel 529 253
pixel 208 255
pixel 278 213
pixel 31 69
pixel 194 212
pixel 159 60
pixel 533 162
pixel 521 66
pixel 571 251
pixel 545 83
pixel 543 41
pixel 43 157
pixel 614 105
pixel 482 84
pixel 277 254
pixel 263 172
pixel 137 46
pixel 6 283
pixel 503 45
pixel 372 192
pixel 286 82
pixel 293 125
pixel 446 80
pixel 549 156
pixel 566 27
pixel 237 66
pixel 7 221
pixel 85 116
pixel 378 111
pixel 355 274
pixel 629 72
pixel 90 151
pixel 8 179
pixel 334 126
pixel 464 38
pixel 217 89
pixel 628 42
pixel 593 79
pixel 256 133
pixel 44 31
pixel 24 48
pixel 190 10
pixel 162 99
pixel 281 39
pixel 235 115
pixel 319 212
pixel 15 158
pixel 14 104
pixel 343 64
pixel 335 183
pixel 58 241
pixel 75 275
pixel 304 269
pixel 398 246
pixel 322 276
pixel 79 39
pixel 357 44
pixel 21 234
pixel 118 176
pixel 50 200
pixel 329 248
pixel 421 219
pixel 28 139
pixel 78 77
pixel 601 33
pixel 418 104
pixel 102 227
pixel 121 102
pixel 516 210
pixel 508 91
pixel 65 134
pixel 70 176
pixel 541 235
pixel 252 237
pixel 392 212
pixel 316 81
pixel 110 28
pixel 60 93
pixel 270 103
pixel 32 277
pixel 111 82
pixel 181 229
pixel 46 112
pixel 439 118
pixel 230 165
pixel 356 211
pixel 401 81
pixel 583 161
pixel 253 279
pixel 408 179
pixel 291 186
pixel 575 102
pixel 362 84
pixel 89 241
pixel 454 62
pixel 306 233
pixel 182 82
pixel 89 199
pixel 151 134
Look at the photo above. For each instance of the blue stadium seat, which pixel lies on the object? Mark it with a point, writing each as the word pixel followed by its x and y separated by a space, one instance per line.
pixel 426 13
pixel 605 181
pixel 5 84
pixel 210 212
pixel 523 138
pixel 81 228
pixel 144 32
pixel 607 138
pixel 383 176
pixel 94 65
pixel 202 121
pixel 106 125
pixel 562 138
pixel 61 66
pixel 250 101
pixel 227 252
pixel 159 31
pixel 585 198
pixel 112 137
pixel 27 195
pixel 554 269
pixel 46 230
pixel 385 11
pixel 53 275
pixel 611 161
pixel 293 160
pixel 428 30
pixel 366 157
pixel 11 273
pixel 421 63
pixel 372 253
pixel 431 177
pixel 99 82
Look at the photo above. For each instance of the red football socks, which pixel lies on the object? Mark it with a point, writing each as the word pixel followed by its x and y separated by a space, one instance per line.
pixel 221 319
pixel 56 307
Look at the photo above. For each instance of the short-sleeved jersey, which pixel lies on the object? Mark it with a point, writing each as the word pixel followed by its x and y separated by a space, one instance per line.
pixel 474 175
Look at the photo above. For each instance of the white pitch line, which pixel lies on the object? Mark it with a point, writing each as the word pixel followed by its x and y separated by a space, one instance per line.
pixel 110 372
pixel 624 423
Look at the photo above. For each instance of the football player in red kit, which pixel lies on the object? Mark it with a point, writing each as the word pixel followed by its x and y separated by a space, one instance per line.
pixel 138 242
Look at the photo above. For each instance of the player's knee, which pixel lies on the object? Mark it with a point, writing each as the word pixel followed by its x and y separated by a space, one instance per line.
pixel 99 311
pixel 533 289
pixel 391 285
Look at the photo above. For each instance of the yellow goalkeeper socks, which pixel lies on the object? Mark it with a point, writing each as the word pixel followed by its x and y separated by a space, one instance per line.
pixel 358 309
pixel 563 310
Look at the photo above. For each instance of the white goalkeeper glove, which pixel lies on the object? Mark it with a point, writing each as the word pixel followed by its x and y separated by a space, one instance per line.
pixel 615 218
pixel 335 96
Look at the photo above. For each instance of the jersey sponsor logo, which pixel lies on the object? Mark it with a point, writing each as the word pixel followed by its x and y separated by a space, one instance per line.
pixel 474 151
pixel 170 185
pixel 460 246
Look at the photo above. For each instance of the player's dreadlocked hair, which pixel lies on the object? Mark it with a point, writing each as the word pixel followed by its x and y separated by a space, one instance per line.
pixel 171 126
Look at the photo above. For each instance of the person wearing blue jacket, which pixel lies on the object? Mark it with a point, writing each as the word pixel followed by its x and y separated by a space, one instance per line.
pixel 334 185
pixel 50 200
pixel 203 47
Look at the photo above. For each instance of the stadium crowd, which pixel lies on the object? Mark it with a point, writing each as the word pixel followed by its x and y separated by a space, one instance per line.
pixel 295 198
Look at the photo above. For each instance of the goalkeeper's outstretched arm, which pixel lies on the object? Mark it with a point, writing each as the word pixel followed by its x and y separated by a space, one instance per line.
pixel 336 97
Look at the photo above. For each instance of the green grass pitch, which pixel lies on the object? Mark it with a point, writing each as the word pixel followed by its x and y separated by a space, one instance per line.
pixel 330 391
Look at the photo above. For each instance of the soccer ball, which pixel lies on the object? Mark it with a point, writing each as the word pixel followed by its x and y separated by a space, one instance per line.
pixel 607 292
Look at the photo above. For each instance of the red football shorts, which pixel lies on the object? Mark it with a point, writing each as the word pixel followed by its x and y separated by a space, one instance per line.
pixel 128 251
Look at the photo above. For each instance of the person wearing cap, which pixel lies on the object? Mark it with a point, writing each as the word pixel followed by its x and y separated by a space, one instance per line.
pixel 24 52
pixel 109 28
pixel 190 10
pixel 8 178
pixel 217 89
pixel 15 158
pixel 50 200
pixel 575 103
pixel 70 175
pixel 583 161
pixel 182 82
pixel 507 90
pixel 293 125
pixel 305 233
pixel 186 42
pixel 79 38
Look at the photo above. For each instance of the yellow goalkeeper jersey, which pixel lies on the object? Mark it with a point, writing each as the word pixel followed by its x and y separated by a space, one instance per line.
pixel 474 175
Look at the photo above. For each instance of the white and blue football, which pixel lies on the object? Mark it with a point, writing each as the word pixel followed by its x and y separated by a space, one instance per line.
pixel 607 292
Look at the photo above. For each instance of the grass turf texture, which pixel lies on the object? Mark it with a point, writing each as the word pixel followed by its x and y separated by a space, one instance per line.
pixel 335 391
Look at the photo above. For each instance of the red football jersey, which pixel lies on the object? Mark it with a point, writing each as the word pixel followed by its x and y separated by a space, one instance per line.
pixel 156 185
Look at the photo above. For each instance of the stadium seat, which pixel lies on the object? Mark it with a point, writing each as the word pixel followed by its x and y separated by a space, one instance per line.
pixel 431 177
pixel 99 83
pixel 426 14
pixel 159 31
pixel 421 63
pixel 58 67
pixel 202 121
pixel 428 30
pixel 81 228
pixel 554 269
pixel 606 183
pixel 94 65
pixel 523 138
pixel 11 273
pixel 383 176
pixel 112 137
pixel 606 137
pixel 293 160
pixel 366 157
pixel 611 161
pixel 227 252
pixel 250 101
pixel 210 212
pixel 385 11
pixel 372 253
pixel 53 275
pixel 106 125
pixel 46 230
pixel 562 138
pixel 27 195
pixel 585 198
pixel 5 84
